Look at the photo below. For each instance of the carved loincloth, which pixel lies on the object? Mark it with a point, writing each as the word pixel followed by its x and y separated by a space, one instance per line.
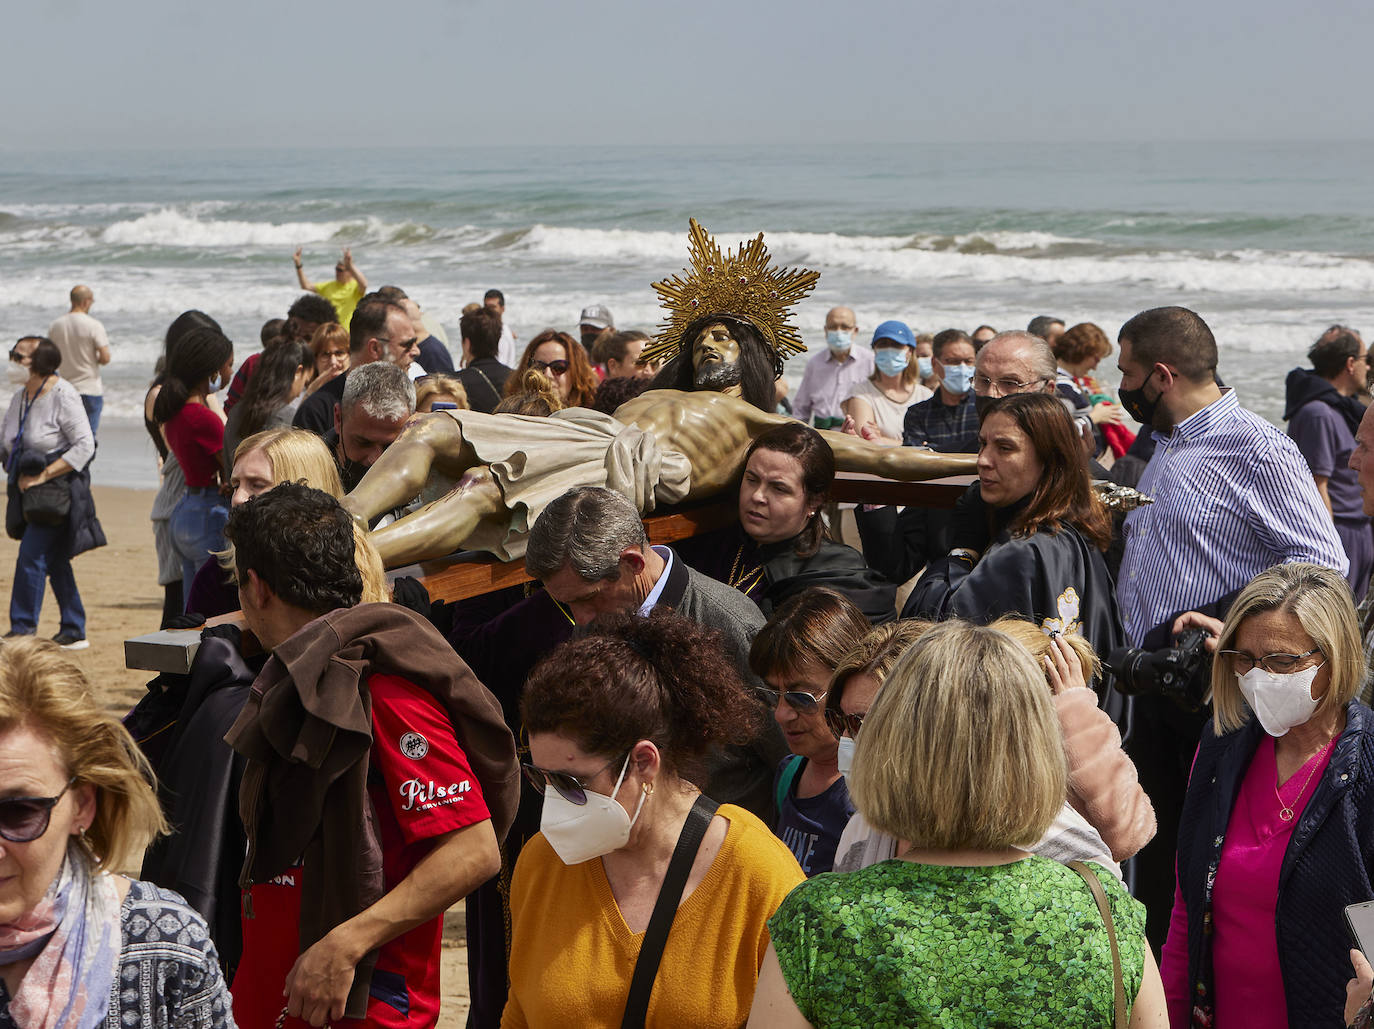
pixel 535 460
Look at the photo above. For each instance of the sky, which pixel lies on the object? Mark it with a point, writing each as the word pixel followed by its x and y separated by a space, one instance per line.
pixel 158 73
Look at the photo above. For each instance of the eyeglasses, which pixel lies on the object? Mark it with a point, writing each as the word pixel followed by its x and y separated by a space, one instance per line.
pixel 24 819
pixel 1277 664
pixel 569 787
pixel 1005 387
pixel 840 723
pixel 556 367
pixel 799 700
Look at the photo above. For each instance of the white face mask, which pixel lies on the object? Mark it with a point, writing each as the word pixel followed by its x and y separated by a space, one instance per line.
pixel 580 832
pixel 845 756
pixel 1279 701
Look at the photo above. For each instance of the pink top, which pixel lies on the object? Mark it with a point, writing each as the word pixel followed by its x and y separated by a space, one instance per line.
pixel 1247 979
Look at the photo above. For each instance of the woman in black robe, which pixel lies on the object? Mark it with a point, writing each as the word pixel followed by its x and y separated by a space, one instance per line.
pixel 1030 534
pixel 779 548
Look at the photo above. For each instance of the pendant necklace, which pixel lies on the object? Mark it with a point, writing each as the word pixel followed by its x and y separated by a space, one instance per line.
pixel 1286 811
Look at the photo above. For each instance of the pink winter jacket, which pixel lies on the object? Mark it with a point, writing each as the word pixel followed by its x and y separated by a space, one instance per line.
pixel 1103 786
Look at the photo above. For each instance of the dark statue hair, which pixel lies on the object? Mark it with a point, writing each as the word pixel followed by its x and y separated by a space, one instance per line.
pixel 759 366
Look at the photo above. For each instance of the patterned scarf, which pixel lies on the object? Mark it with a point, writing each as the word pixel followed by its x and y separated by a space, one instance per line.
pixel 75 934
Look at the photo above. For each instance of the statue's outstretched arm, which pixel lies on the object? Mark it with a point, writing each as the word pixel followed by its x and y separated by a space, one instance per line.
pixel 909 464
pixel 405 466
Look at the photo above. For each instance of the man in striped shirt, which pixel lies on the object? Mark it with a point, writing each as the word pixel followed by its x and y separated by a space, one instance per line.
pixel 1232 497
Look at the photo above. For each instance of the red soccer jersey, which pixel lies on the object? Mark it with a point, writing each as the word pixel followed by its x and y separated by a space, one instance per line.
pixel 421 787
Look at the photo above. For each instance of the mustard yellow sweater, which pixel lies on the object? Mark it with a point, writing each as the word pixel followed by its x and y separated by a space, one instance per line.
pixel 572 954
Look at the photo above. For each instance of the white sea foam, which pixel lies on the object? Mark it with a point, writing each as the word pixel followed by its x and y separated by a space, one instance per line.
pixel 170 227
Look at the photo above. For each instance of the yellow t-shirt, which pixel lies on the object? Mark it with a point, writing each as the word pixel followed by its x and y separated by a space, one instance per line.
pixel 572 955
pixel 343 295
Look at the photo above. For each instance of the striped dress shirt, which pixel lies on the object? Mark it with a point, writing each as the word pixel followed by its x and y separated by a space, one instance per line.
pixel 1233 496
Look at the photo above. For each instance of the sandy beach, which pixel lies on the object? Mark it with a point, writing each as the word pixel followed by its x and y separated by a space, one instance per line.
pixel 119 587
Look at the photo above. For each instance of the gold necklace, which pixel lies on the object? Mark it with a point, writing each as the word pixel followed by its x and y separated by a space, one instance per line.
pixel 742 579
pixel 1285 811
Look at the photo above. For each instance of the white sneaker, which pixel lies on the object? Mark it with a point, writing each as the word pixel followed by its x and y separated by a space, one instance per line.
pixel 67 641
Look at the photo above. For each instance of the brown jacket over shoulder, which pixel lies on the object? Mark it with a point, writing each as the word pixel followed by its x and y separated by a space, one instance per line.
pixel 306 731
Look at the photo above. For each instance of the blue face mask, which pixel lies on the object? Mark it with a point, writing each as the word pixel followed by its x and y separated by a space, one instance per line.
pixel 891 362
pixel 924 367
pixel 958 377
pixel 838 339
pixel 216 384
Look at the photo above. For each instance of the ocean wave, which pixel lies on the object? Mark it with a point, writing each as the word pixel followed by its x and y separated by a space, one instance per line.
pixel 169 227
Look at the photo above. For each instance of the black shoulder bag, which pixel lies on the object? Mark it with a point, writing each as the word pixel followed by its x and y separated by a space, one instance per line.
pixel 665 910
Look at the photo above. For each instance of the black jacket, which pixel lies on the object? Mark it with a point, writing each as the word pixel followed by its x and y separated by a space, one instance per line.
pixel 485 382
pixel 316 412
pixel 771 573
pixel 1327 864
pixel 1304 386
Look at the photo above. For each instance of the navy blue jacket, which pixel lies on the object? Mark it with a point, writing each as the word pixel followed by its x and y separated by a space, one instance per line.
pixel 1327 865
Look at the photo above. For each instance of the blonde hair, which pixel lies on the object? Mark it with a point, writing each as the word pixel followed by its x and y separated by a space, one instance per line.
pixel 296 456
pixel 536 396
pixel 1320 600
pixel 875 654
pixel 42 688
pixel 438 384
pixel 961 748
pixel 376 590
pixel 1039 642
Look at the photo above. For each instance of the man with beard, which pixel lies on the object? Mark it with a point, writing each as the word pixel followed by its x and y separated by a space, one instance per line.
pixel 683 441
pixel 376 404
pixel 381 330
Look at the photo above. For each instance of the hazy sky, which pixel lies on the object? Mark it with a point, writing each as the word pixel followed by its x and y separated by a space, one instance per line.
pixel 251 72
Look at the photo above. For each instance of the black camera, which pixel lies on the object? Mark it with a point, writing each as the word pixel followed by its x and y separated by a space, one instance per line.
pixel 1182 673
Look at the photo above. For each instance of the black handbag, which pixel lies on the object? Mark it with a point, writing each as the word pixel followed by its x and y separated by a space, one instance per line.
pixel 48 503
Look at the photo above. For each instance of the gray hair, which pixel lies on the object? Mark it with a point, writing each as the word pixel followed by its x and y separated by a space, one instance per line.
pixel 383 390
pixel 586 528
pixel 1039 356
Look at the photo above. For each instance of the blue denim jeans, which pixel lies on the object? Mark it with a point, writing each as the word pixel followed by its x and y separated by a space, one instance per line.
pixel 43 555
pixel 93 406
pixel 197 528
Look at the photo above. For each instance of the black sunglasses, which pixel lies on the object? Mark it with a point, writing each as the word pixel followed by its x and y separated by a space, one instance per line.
pixel 24 819
pixel 567 786
pixel 799 700
pixel 557 367
pixel 840 723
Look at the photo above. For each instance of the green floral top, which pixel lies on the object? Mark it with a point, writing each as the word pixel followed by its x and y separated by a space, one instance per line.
pixel 902 944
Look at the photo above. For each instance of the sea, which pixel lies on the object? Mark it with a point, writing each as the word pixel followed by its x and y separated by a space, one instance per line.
pixel 1269 242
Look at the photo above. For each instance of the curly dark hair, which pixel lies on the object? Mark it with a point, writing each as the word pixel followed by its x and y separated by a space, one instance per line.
pixel 665 679
pixel 299 541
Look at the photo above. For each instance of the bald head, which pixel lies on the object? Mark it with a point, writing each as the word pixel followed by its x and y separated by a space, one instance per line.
pixel 840 318
pixel 81 298
pixel 1016 357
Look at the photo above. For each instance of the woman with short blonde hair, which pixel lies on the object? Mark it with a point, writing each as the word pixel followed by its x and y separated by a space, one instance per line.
pixel 1277 826
pixel 77 807
pixel 960 758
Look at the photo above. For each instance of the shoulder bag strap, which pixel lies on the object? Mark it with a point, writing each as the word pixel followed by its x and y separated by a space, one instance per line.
pixel 665 910
pixel 494 391
pixel 787 778
pixel 1099 895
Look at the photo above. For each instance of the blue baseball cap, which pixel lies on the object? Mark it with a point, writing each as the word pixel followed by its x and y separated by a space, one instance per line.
pixel 898 332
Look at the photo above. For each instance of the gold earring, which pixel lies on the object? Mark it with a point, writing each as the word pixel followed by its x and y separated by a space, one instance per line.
pixel 648 789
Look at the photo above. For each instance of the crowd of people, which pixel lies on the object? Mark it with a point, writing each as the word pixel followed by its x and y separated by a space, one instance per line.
pixel 964 771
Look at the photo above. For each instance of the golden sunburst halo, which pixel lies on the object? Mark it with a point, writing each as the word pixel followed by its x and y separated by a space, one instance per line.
pixel 743 286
